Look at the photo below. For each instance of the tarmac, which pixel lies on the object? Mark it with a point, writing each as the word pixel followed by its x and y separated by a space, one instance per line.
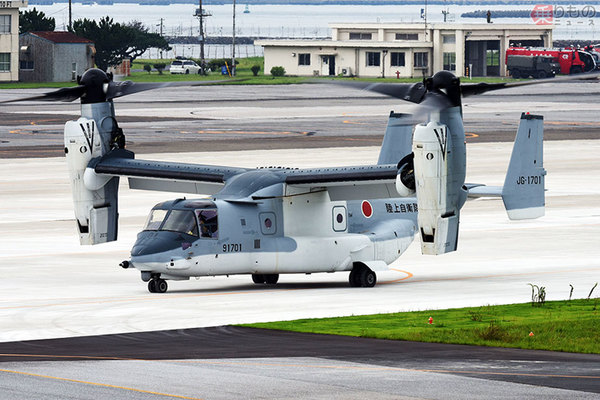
pixel 166 345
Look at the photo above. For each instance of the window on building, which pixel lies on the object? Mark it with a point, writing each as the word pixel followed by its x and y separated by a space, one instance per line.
pixel 397 60
pixel 360 36
pixel 26 64
pixel 493 58
pixel 373 59
pixel 4 62
pixel 448 39
pixel 421 60
pixel 407 36
pixel 304 59
pixel 449 61
pixel 5 24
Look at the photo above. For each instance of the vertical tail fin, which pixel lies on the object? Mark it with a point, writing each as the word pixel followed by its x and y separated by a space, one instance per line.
pixel 397 142
pixel 523 190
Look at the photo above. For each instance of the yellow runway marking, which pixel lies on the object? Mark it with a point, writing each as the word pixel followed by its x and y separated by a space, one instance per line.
pixel 98 384
pixel 408 276
pixel 274 364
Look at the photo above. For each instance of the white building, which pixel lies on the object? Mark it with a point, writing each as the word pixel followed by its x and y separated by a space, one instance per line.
pixel 405 50
pixel 9 39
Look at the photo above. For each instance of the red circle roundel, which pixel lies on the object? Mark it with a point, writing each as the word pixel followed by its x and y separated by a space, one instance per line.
pixel 367 209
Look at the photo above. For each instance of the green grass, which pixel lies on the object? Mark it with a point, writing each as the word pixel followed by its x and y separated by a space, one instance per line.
pixel 572 326
pixel 244 76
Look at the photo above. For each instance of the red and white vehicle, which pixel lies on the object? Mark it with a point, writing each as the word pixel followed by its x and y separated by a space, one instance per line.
pixel 572 61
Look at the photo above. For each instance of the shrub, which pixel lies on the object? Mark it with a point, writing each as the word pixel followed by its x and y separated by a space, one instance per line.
pixel 160 67
pixel 217 63
pixel 278 71
pixel 255 69
pixel 147 68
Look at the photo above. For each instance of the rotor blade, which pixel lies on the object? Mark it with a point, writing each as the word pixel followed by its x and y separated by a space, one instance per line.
pixel 412 92
pixel 124 88
pixel 479 88
pixel 118 89
pixel 63 94
pixel 432 102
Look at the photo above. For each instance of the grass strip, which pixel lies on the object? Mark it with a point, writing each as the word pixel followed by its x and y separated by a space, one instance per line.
pixel 570 326
pixel 244 76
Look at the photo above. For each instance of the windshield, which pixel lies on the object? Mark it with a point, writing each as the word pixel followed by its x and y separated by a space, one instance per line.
pixel 155 220
pixel 181 221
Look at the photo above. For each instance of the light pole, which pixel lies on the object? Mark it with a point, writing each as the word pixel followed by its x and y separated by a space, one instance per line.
pixel 233 44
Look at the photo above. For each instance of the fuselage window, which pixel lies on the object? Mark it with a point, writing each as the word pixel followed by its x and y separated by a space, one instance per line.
pixel 181 221
pixel 209 226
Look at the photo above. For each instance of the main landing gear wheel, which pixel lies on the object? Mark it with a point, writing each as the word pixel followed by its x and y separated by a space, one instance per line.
pixel 258 278
pixel 157 286
pixel 362 276
pixel 368 278
pixel 354 277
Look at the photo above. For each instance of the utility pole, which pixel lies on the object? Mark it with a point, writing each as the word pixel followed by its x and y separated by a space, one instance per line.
pixel 161 33
pixel 233 44
pixel 70 17
pixel 201 14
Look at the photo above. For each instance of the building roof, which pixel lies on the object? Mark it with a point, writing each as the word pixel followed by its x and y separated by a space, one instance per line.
pixel 60 37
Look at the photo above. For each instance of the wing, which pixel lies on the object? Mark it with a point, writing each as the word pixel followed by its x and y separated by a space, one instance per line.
pixel 345 183
pixel 164 176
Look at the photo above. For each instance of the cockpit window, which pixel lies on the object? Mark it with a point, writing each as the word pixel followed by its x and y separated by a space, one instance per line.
pixel 181 221
pixel 209 227
pixel 155 220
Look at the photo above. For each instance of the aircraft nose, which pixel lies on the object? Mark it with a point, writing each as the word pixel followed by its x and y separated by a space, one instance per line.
pixel 154 242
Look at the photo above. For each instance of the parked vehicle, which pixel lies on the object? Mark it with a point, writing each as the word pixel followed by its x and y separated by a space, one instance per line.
pixel 571 60
pixel 535 66
pixel 184 67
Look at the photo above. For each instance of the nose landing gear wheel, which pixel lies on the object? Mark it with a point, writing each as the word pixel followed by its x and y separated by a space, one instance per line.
pixel 157 286
pixel 271 279
pixel 258 278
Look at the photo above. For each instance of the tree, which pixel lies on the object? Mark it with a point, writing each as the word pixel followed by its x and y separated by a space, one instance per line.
pixel 34 20
pixel 160 67
pixel 115 41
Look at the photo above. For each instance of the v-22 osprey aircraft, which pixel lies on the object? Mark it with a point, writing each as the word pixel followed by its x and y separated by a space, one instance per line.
pixel 271 221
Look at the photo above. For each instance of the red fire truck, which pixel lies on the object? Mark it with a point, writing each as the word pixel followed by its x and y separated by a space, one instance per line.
pixel 572 61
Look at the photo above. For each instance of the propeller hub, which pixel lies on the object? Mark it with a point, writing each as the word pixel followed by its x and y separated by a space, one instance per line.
pixel 447 83
pixel 444 80
pixel 95 81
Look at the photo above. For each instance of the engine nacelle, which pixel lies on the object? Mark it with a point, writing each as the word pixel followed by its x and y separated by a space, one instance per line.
pixel 437 194
pixel 94 197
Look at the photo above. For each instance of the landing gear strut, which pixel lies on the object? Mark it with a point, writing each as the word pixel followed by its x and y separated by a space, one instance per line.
pixel 362 276
pixel 157 285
